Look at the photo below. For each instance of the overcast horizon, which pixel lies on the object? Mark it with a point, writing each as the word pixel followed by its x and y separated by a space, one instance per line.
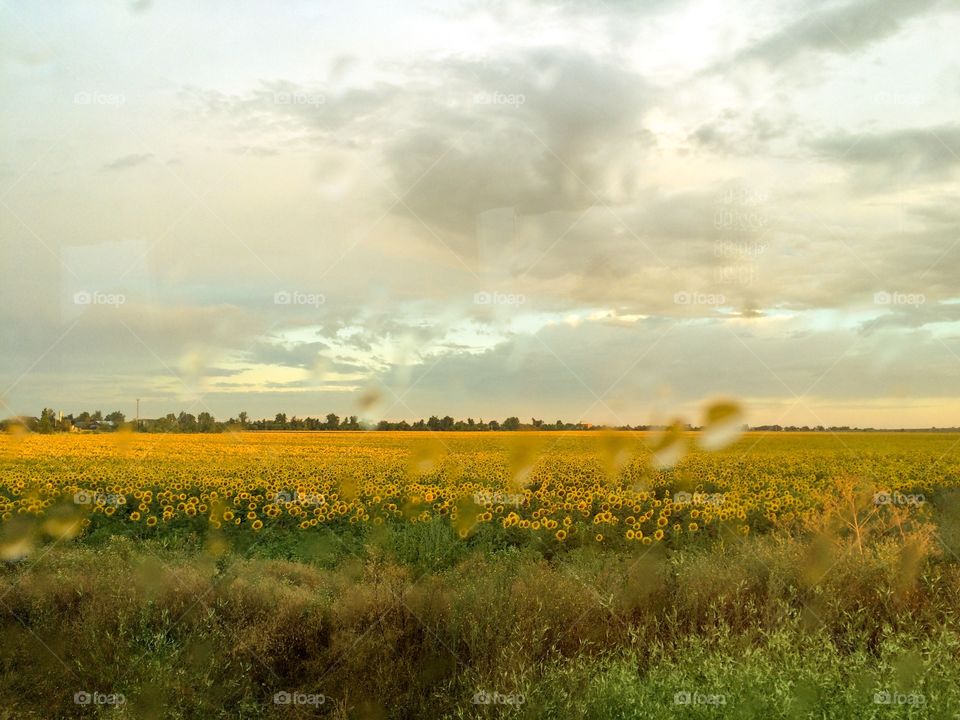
pixel 593 211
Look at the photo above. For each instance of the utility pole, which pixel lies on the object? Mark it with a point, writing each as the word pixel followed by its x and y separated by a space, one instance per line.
pixel 138 414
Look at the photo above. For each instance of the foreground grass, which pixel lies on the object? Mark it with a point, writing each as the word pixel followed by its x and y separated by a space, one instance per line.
pixel 412 622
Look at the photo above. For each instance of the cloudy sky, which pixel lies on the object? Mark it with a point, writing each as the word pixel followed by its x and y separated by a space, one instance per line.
pixel 607 211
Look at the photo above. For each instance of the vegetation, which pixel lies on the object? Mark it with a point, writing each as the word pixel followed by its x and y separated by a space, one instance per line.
pixel 533 575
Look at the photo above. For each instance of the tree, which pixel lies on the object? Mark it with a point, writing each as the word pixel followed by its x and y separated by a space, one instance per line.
pixel 48 420
pixel 243 417
pixel 186 422
pixel 206 423
pixel 333 421
pixel 511 423
pixel 281 420
pixel 116 417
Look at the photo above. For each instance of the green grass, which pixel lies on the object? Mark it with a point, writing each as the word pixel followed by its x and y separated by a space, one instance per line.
pixel 409 621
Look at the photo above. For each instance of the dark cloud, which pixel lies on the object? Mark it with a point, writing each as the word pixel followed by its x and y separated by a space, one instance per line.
pixel 733 134
pixel 842 30
pixel 894 159
pixel 545 130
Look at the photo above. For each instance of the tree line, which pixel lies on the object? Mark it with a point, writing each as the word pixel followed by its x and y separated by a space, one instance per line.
pixel 50 422
pixel 204 422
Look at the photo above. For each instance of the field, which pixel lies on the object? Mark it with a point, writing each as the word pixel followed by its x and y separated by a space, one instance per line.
pixel 572 575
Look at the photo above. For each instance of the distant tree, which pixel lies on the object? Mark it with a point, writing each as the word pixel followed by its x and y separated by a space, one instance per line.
pixel 48 421
pixel 186 422
pixel 493 425
pixel 446 423
pixel 243 417
pixel 511 423
pixel 206 423
pixel 281 421
pixel 116 417
pixel 333 421
pixel 97 416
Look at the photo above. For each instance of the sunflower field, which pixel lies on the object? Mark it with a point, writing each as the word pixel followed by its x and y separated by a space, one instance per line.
pixel 576 488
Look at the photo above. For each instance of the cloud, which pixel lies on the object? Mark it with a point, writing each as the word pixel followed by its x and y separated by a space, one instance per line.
pixel 128 161
pixel 736 133
pixel 543 130
pixel 843 30
pixel 572 152
pixel 539 130
pixel 896 158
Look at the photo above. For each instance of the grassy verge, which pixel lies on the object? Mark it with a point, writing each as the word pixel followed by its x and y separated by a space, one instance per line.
pixel 412 622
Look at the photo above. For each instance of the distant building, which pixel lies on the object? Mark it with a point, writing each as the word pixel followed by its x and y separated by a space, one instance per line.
pixel 95 425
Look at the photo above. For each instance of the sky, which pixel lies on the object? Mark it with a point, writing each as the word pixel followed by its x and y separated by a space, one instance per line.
pixel 602 211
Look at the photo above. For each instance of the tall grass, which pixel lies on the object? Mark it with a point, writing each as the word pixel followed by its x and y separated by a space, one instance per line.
pixel 415 623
